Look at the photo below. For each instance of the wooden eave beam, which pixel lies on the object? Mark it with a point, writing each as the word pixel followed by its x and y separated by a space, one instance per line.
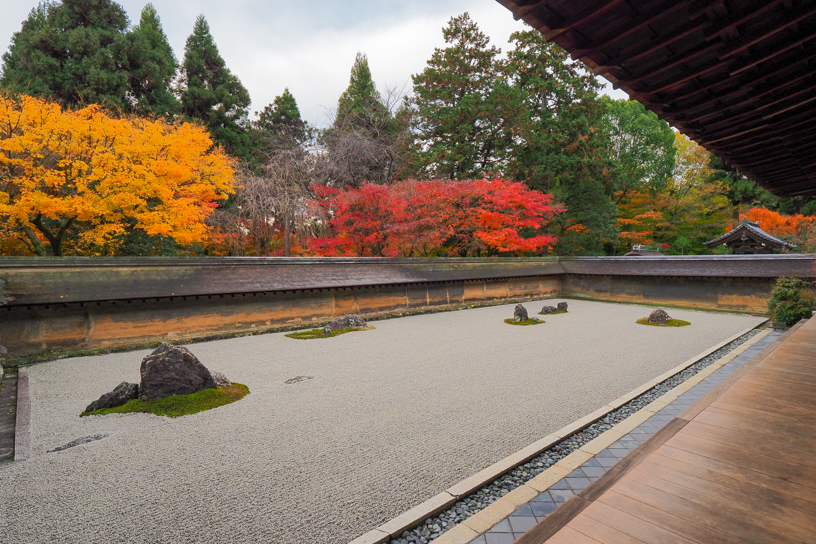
pixel 641 22
pixel 754 99
pixel 772 54
pixel 585 16
pixel 793 18
pixel 724 27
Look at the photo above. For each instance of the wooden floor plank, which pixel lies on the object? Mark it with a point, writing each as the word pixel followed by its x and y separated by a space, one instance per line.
pixel 568 535
pixel 795 448
pixel 760 463
pixel 773 490
pixel 698 512
pixel 601 532
pixel 733 507
pixel 729 420
pixel 636 525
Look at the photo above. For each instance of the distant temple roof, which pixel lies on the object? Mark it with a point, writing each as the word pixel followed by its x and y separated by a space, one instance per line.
pixel 747 237
pixel 643 251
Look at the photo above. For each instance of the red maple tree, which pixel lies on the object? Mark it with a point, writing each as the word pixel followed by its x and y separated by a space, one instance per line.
pixel 438 217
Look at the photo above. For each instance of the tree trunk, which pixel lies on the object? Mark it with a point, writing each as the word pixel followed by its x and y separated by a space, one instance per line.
pixel 287 236
pixel 37 246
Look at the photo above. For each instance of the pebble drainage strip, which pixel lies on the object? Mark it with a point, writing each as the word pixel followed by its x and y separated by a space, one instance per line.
pixel 435 526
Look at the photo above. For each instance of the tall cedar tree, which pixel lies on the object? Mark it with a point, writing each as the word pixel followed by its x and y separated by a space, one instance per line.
pixel 74 52
pixel 280 124
pixel 560 146
pixel 365 142
pixel 212 94
pixel 360 106
pixel 642 148
pixel 152 67
pixel 460 107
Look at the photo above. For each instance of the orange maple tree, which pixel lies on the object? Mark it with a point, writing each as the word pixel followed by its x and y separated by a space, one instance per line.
pixel 91 174
pixel 798 229
pixel 438 217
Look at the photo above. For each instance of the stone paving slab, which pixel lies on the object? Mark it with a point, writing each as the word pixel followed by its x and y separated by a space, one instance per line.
pixel 392 418
pixel 523 518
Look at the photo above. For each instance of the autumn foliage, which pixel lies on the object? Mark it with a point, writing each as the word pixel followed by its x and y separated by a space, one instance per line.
pixel 85 176
pixel 798 229
pixel 435 218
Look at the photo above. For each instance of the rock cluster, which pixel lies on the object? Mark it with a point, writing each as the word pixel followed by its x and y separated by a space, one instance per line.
pixel 349 321
pixel 169 370
pixel 659 316
pixel 562 307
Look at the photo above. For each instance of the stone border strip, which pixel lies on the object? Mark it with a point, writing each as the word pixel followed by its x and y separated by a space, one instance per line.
pixel 562 516
pixel 22 431
pixel 480 522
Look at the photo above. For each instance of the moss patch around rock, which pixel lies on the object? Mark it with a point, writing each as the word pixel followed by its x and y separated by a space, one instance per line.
pixel 318 333
pixel 670 323
pixel 180 405
pixel 512 321
pixel 552 313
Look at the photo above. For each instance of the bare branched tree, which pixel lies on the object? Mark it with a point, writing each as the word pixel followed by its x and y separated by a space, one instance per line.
pixel 276 194
pixel 365 145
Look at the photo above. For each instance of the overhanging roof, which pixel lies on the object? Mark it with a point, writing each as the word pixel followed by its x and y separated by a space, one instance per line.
pixel 736 76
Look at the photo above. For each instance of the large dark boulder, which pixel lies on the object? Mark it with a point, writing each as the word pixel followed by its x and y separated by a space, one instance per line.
pixel 349 321
pixel 121 395
pixel 562 307
pixel 173 370
pixel 549 310
pixel 660 317
pixel 520 314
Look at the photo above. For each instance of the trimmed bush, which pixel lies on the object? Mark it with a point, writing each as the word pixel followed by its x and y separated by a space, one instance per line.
pixel 792 299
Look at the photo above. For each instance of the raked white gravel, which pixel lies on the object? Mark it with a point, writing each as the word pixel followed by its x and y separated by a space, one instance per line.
pixel 392 417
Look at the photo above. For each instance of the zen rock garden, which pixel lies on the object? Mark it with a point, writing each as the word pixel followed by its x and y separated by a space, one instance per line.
pixel 170 371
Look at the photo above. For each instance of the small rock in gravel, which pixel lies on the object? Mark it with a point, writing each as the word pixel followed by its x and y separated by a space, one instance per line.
pixel 562 307
pixel 220 379
pixel 120 395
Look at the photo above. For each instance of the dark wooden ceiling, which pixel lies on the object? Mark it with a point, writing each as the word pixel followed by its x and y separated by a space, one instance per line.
pixel 736 76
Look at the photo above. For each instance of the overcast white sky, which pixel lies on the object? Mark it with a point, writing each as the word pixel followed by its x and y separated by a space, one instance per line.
pixel 309 46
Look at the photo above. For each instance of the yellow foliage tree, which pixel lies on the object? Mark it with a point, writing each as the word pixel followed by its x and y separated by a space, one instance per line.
pixel 91 174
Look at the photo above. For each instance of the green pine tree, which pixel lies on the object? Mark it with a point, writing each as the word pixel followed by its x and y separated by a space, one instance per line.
pixel 460 107
pixel 74 52
pixel 152 67
pixel 212 94
pixel 280 124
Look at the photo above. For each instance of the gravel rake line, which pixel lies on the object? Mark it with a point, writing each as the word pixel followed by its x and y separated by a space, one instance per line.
pixel 477 501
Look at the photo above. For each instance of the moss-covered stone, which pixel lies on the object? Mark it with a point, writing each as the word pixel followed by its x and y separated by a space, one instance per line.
pixel 552 313
pixel 512 321
pixel 318 333
pixel 669 323
pixel 180 405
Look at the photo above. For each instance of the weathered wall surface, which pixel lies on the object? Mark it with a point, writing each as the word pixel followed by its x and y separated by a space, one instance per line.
pixel 738 294
pixel 41 328
pixel 66 304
